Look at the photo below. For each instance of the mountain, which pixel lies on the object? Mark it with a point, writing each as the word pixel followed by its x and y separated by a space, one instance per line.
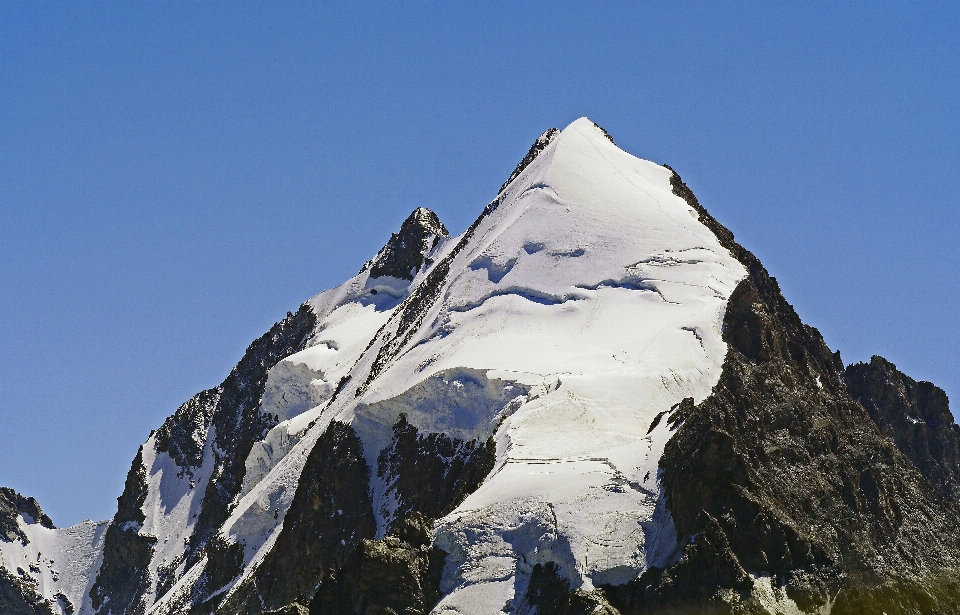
pixel 591 401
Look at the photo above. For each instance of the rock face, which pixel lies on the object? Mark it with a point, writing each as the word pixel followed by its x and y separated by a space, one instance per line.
pixel 44 569
pixel 915 415
pixel 399 574
pixel 123 577
pixel 237 420
pixel 538 146
pixel 231 413
pixel 331 514
pixel 592 401
pixel 405 253
pixel 12 505
pixel 17 597
pixel 780 474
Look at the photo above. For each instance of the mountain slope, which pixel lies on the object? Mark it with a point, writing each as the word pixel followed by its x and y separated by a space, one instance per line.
pixel 783 488
pixel 591 401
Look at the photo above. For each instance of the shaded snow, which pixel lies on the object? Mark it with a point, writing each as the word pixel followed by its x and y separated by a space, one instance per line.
pixel 171 508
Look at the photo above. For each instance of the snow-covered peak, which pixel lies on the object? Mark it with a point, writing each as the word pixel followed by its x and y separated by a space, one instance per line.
pixel 55 563
pixel 593 287
pixel 505 397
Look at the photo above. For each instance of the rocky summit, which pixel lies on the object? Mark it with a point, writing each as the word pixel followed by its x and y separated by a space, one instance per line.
pixel 592 401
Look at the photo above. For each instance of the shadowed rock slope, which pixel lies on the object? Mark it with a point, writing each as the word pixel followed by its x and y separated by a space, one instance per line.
pixel 232 409
pixel 915 415
pixel 18 597
pixel 780 473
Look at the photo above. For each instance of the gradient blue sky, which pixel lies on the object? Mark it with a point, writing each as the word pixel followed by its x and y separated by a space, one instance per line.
pixel 174 177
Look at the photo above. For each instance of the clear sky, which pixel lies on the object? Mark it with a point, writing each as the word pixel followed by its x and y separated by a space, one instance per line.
pixel 175 176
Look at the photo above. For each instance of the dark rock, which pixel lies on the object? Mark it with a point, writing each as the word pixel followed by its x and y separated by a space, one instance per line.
pixel 224 563
pixel 707 579
pixel 167 576
pixel 915 415
pixel 239 422
pixel 291 609
pixel 399 574
pixel 330 515
pixel 12 506
pixel 19 597
pixel 930 594
pixel 432 473
pixel 605 133
pixel 784 473
pixel 406 252
pixel 65 605
pixel 123 577
pixel 548 593
pixel 183 435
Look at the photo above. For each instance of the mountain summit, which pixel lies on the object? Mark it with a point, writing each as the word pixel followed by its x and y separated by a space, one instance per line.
pixel 593 400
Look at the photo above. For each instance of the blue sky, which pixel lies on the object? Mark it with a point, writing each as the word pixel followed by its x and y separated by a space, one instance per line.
pixel 175 176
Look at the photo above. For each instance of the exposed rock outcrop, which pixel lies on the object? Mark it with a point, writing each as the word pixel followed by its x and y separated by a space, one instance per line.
pixel 123 577
pixel 237 419
pixel 548 593
pixel 12 506
pixel 538 146
pixel 406 252
pixel 232 409
pixel 330 515
pixel 915 415
pixel 399 574
pixel 183 435
pixel 18 596
pixel 430 474
pixel 780 472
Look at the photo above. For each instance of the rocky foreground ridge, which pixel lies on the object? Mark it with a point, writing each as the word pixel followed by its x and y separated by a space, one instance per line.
pixel 592 401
